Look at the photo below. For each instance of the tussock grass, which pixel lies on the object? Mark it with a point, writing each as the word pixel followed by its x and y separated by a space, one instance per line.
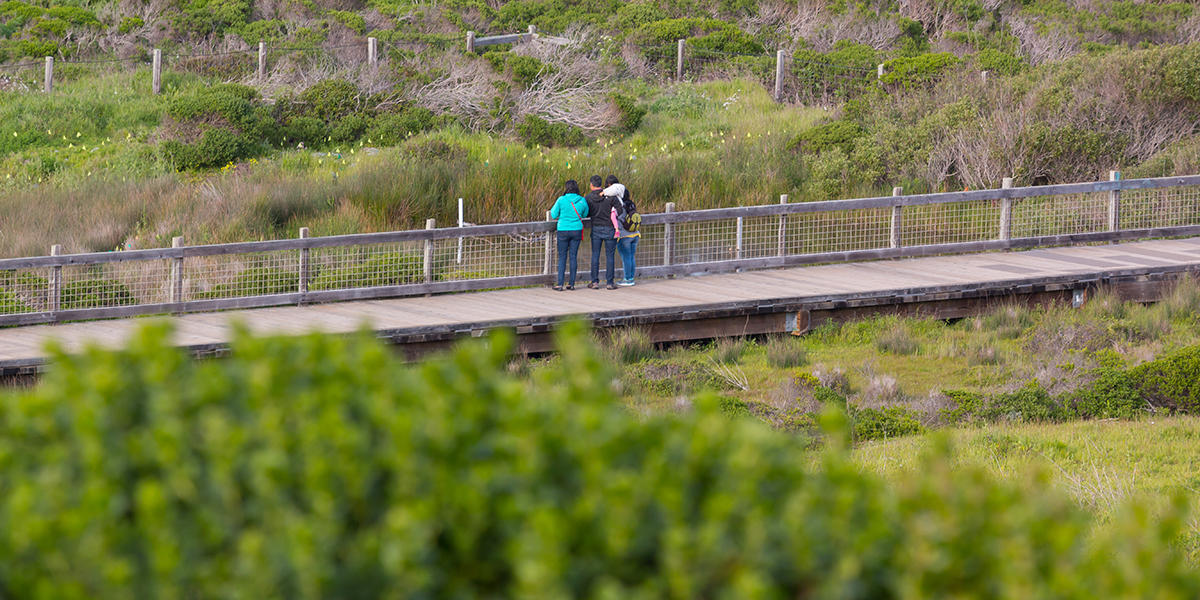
pixel 785 352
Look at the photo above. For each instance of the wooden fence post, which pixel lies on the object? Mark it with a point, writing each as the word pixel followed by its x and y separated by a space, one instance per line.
pixel 783 199
pixel 48 83
pixel 470 41
pixel 54 297
pixel 372 52
pixel 549 236
pixel 429 224
pixel 262 60
pixel 737 253
pixel 305 269
pixel 176 294
pixel 1006 211
pixel 1114 203
pixel 461 223
pixel 532 32
pixel 679 60
pixel 779 75
pixel 984 76
pixel 668 235
pixel 156 77
pixel 897 220
pixel 879 71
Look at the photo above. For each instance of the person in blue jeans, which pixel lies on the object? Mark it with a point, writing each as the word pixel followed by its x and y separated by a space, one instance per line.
pixel 627 241
pixel 603 211
pixel 569 210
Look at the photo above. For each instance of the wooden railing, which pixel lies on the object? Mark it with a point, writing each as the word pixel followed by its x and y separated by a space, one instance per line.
pixel 183 278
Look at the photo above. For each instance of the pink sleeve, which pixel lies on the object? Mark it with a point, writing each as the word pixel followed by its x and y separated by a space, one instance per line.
pixel 613 215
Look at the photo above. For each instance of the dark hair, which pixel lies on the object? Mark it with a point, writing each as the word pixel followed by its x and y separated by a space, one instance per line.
pixel 595 180
pixel 572 187
pixel 611 179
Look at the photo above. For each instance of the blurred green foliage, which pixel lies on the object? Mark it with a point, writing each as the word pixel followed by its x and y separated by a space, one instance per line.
pixel 321 467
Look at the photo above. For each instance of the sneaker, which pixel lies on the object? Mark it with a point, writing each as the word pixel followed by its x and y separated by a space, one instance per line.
pixel 626 283
pixel 570 287
pixel 595 285
pixel 612 286
pixel 557 288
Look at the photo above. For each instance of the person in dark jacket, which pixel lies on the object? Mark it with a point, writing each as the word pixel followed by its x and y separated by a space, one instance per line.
pixel 569 210
pixel 603 213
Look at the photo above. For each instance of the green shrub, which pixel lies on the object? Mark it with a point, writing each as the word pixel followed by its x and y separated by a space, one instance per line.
pixel 353 21
pixel 536 131
pixel 210 17
pixel 525 70
pixel 350 128
pixel 1031 403
pixel 322 467
pixel 10 303
pixel 632 15
pixel 217 125
pixel 312 131
pixel 999 62
pixel 839 134
pixel 215 148
pixel 917 70
pixel 883 423
pixel 1113 394
pixel 128 24
pixel 396 127
pixel 631 113
pixel 94 291
pixel 733 408
pixel 330 100
pixel 1171 382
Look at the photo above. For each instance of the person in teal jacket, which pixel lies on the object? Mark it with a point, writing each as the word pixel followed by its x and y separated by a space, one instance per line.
pixel 568 210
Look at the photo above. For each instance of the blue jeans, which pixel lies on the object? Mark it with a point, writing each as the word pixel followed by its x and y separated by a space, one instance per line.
pixel 568 245
pixel 628 247
pixel 606 237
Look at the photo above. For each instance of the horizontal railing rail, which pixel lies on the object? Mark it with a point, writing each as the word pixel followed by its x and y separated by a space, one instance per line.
pixel 182 278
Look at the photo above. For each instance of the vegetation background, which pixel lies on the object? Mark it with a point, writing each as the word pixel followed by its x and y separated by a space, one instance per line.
pixel 1073 90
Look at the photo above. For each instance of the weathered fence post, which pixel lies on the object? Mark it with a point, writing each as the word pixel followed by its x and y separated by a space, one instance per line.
pixel 879 71
pixel 262 60
pixel 372 52
pixel 48 83
pixel 984 76
pixel 783 199
pixel 532 32
pixel 305 269
pixel 429 224
pixel 458 257
pixel 679 60
pixel 779 75
pixel 1114 203
pixel 470 41
pixel 1006 211
pixel 668 235
pixel 897 219
pixel 738 251
pixel 54 297
pixel 156 72
pixel 549 235
pixel 177 272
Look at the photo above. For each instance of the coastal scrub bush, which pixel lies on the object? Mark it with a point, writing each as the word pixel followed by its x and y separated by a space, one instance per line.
pixel 1171 382
pixel 536 131
pixel 216 125
pixel 95 291
pixel 321 467
pixel 255 281
pixel 883 423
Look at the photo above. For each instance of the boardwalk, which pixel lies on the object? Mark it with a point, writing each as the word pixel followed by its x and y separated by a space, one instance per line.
pixel 662 300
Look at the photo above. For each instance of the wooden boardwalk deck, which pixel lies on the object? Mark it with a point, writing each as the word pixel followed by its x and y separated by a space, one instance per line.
pixel 777 291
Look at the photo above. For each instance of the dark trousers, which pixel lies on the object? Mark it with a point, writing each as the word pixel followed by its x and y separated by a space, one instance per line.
pixel 606 237
pixel 568 246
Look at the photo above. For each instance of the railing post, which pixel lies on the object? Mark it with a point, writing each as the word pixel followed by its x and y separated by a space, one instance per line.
pixel 1114 203
pixel 532 32
pixel 54 297
pixel 470 41
pixel 983 75
pixel 156 78
pixel 372 52
pixel 668 235
pixel 262 60
pixel 779 75
pixel 429 224
pixel 783 199
pixel 879 71
pixel 679 60
pixel 1006 212
pixel 305 269
pixel 549 235
pixel 458 257
pixel 738 251
pixel 176 294
pixel 48 83
pixel 897 219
